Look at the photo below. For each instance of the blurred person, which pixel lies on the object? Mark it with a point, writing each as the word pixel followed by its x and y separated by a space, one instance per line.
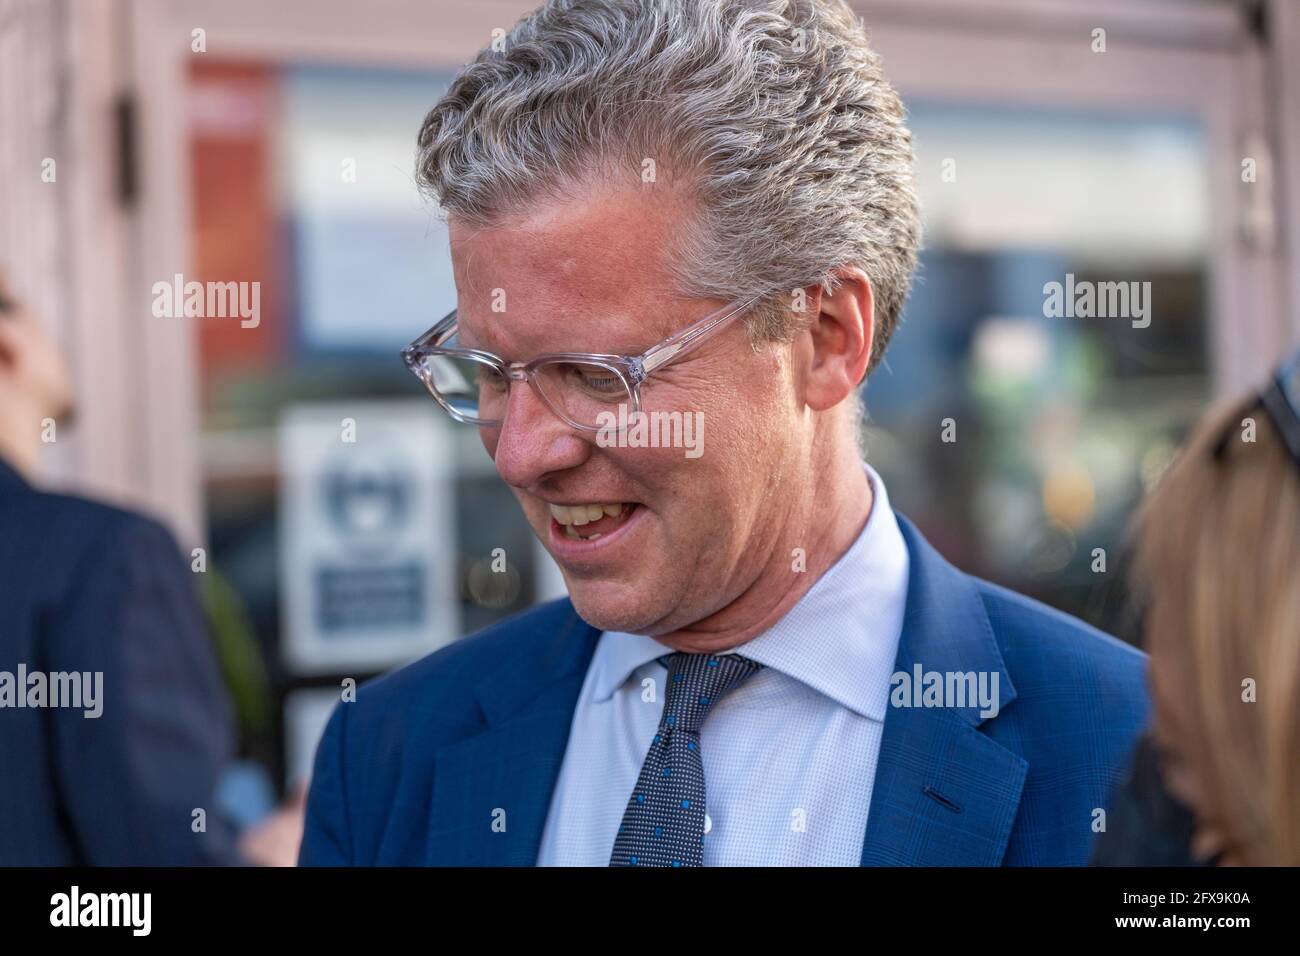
pixel 705 208
pixel 1219 568
pixel 99 611
pixel 1145 824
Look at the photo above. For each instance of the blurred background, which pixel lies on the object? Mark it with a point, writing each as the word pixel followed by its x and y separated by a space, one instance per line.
pixel 273 143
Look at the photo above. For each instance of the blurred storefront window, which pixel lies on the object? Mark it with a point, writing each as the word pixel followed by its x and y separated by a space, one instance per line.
pixel 1057 420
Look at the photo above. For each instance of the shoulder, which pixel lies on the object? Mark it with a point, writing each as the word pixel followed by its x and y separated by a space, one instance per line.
pixel 1080 705
pixel 378 751
pixel 1080 695
pixel 67 539
pixel 62 515
pixel 1046 654
pixel 438 691
pixel 1042 645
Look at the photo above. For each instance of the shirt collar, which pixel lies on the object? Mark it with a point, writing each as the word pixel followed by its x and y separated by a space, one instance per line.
pixel 841 639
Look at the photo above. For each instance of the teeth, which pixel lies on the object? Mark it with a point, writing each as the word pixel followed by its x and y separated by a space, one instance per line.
pixel 579 515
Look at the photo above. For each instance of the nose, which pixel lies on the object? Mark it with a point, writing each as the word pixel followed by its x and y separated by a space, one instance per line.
pixel 532 441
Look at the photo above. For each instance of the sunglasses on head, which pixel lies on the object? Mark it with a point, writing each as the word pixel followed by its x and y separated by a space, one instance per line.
pixel 1280 399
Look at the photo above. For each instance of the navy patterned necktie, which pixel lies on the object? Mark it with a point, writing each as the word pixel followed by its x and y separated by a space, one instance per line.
pixel 664 821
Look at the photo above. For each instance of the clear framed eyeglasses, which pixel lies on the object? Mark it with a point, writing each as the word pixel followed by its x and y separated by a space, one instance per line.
pixel 473 385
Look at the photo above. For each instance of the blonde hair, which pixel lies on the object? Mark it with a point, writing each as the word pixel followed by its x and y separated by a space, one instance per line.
pixel 1219 555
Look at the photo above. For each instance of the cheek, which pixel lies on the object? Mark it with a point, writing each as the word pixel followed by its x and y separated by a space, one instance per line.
pixel 747 428
pixel 756 437
pixel 489 437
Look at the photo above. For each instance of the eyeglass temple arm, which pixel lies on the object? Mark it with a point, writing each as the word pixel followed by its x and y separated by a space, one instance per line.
pixel 438 331
pixel 689 338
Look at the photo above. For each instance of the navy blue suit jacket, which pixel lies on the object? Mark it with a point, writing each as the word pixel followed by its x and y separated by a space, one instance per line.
pixel 89 588
pixel 417 768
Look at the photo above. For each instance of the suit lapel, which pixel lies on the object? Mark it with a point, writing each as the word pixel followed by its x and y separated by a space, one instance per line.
pixel 945 794
pixel 492 790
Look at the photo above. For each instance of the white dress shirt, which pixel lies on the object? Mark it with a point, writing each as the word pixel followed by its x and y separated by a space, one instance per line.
pixel 789 756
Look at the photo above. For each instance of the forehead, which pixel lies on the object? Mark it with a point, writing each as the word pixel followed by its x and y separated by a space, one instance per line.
pixel 593 268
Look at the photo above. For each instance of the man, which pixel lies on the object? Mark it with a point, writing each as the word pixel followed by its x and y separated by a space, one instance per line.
pixel 98 610
pixel 714 199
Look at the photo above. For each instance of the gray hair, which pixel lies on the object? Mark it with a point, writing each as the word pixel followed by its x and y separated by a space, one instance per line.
pixel 774 114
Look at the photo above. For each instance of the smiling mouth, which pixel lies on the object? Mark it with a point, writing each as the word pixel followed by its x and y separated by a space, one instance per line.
pixel 589 522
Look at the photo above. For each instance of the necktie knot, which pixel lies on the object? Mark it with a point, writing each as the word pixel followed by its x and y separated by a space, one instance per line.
pixel 698 681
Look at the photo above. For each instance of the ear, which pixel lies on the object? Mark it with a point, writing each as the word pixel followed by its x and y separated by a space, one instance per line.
pixel 838 346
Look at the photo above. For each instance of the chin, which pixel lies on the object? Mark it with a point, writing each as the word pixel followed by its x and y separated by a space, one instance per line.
pixel 613 607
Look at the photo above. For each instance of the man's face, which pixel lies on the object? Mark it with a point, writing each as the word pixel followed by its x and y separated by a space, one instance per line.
pixel 35 382
pixel 591 275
